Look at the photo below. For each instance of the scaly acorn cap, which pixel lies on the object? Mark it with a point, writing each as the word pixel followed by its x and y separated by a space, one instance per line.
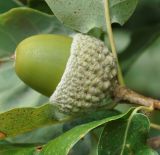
pixel 89 78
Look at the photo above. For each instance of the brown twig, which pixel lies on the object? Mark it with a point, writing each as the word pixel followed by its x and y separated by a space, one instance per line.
pixel 7 59
pixel 124 94
pixel 2 135
pixel 154 142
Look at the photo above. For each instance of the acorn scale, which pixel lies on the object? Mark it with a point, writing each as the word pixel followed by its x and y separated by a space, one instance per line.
pixel 89 78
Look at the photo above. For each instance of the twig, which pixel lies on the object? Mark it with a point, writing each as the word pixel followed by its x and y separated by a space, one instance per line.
pixel 124 94
pixel 7 59
pixel 111 40
pixel 155 126
pixel 2 135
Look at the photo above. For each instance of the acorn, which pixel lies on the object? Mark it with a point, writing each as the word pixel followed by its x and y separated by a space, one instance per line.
pixel 79 74
pixel 41 59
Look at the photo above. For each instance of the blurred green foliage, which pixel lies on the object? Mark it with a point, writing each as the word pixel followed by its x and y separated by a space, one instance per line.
pixel 138 46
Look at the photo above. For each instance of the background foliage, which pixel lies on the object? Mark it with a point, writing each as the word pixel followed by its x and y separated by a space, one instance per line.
pixel 138 46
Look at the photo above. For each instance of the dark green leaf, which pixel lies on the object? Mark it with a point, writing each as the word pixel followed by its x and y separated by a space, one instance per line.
pixel 141 39
pixel 139 18
pixel 20 23
pixel 63 144
pixel 127 135
pixel 91 116
pixel 9 4
pixel 84 15
pixel 144 73
pixel 41 6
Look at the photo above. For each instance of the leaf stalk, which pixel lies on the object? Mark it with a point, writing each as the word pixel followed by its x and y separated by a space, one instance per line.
pixel 112 41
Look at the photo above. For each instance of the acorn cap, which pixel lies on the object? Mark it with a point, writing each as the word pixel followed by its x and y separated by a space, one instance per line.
pixel 89 78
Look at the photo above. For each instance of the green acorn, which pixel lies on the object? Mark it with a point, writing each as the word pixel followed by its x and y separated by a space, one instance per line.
pixel 41 59
pixel 79 75
pixel 89 79
pixel 84 68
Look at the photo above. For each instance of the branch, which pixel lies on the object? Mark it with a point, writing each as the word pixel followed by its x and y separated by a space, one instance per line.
pixel 124 94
